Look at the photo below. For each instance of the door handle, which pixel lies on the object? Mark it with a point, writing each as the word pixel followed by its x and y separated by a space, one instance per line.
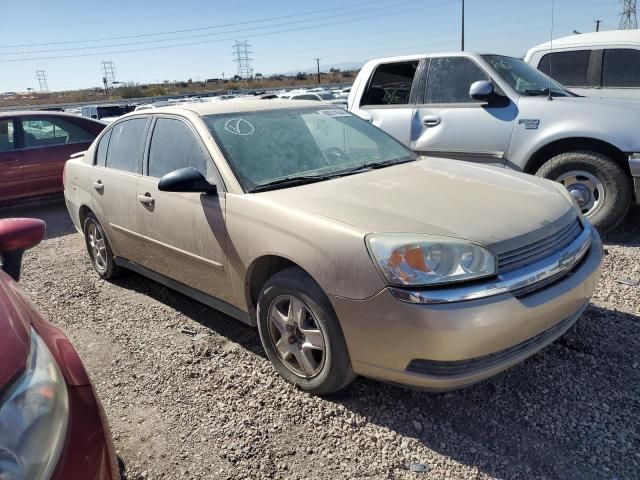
pixel 99 187
pixel 431 121
pixel 146 199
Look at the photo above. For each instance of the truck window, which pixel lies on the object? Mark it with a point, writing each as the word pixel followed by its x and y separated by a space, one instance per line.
pixel 621 68
pixel 449 80
pixel 568 68
pixel 390 84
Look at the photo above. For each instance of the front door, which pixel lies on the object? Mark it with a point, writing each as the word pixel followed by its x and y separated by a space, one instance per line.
pixel 12 185
pixel 184 233
pixel 114 183
pixel 447 122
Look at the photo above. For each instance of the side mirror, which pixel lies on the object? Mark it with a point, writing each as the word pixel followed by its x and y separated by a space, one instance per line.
pixel 481 90
pixel 186 180
pixel 16 236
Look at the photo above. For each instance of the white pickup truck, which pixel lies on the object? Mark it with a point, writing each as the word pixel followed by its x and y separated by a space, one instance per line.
pixel 501 111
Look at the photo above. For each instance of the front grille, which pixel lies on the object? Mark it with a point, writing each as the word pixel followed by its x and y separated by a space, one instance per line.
pixel 479 364
pixel 523 256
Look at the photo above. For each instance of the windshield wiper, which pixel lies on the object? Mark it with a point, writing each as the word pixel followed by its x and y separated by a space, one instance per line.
pixel 545 91
pixel 370 166
pixel 288 182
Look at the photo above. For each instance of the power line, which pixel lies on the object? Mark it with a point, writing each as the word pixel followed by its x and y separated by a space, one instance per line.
pixel 41 75
pixel 628 17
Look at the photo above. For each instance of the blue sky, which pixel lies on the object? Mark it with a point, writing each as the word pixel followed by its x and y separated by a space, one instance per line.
pixel 285 35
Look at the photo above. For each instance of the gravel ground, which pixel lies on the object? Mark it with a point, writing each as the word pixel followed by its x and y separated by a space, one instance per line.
pixel 211 406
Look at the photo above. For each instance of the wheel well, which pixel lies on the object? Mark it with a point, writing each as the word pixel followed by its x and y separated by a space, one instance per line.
pixel 259 272
pixel 84 211
pixel 572 144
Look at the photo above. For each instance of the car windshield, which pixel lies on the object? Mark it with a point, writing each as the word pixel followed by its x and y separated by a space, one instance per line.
pixel 326 96
pixel 525 79
pixel 112 111
pixel 265 147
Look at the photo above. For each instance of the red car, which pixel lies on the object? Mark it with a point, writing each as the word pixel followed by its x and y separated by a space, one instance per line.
pixel 34 147
pixel 52 425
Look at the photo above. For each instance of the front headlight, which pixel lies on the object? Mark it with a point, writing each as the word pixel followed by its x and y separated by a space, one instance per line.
pixel 407 259
pixel 33 418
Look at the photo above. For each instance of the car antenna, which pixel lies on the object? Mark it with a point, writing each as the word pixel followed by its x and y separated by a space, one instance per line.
pixel 551 50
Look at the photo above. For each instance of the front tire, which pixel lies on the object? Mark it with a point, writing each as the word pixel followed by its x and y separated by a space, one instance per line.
pixel 100 253
pixel 599 185
pixel 301 334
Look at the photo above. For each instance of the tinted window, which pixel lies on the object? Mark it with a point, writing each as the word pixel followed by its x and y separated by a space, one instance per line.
pixel 569 68
pixel 449 80
pixel 6 135
pixel 307 96
pixel 621 68
pixel 101 154
pixel 126 144
pixel 174 146
pixel 391 84
pixel 44 132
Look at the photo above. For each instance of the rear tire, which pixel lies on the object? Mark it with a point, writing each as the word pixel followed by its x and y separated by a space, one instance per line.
pixel 100 253
pixel 600 186
pixel 297 322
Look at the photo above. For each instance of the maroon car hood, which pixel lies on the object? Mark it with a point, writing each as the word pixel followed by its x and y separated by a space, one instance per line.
pixel 14 331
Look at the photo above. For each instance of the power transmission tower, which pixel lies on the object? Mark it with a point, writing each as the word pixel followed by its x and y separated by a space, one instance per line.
pixel 628 17
pixel 41 75
pixel 108 73
pixel 241 54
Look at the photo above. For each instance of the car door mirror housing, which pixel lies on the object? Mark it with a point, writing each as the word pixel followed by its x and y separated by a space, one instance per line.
pixel 16 236
pixel 186 180
pixel 481 90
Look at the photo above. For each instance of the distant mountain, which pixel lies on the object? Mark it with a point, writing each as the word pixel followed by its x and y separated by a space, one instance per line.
pixel 326 68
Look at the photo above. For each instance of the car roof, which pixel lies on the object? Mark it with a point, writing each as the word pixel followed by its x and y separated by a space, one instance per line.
pixel 593 38
pixel 213 108
pixel 40 113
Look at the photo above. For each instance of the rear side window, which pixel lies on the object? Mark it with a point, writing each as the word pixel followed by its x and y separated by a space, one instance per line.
pixel 175 146
pixel 621 68
pixel 391 84
pixel 101 155
pixel 126 145
pixel 7 140
pixel 569 68
pixel 45 132
pixel 450 78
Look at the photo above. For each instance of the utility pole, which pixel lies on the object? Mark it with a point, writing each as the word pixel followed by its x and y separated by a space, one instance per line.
pixel 462 43
pixel 241 57
pixel 598 22
pixel 318 64
pixel 628 17
pixel 41 75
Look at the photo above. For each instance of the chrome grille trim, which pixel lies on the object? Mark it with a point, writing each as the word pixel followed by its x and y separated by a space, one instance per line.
pixel 523 256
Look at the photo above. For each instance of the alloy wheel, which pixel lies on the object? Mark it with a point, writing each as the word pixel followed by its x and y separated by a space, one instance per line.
pixel 97 246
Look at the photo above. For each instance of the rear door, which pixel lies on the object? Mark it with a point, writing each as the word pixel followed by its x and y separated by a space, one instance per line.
pixel 114 180
pixel 447 122
pixel 388 100
pixel 48 144
pixel 12 185
pixel 184 233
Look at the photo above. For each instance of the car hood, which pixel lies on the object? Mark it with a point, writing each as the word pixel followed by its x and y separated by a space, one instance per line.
pixel 14 331
pixel 492 206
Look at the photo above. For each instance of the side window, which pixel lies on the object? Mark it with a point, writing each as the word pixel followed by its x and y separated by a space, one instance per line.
pixel 101 154
pixel 84 135
pixel 126 145
pixel 621 68
pixel 174 146
pixel 568 68
pixel 7 136
pixel 45 132
pixel 449 80
pixel 390 84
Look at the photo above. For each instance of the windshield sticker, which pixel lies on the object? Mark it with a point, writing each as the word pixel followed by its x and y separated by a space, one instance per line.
pixel 334 113
pixel 239 126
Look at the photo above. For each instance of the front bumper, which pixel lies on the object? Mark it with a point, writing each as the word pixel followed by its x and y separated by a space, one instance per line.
pixel 634 167
pixel 451 345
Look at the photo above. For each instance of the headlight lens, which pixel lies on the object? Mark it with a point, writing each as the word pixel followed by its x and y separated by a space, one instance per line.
pixel 33 418
pixel 406 259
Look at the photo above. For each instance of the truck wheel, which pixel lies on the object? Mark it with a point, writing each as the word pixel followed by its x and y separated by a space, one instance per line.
pixel 301 334
pixel 599 185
